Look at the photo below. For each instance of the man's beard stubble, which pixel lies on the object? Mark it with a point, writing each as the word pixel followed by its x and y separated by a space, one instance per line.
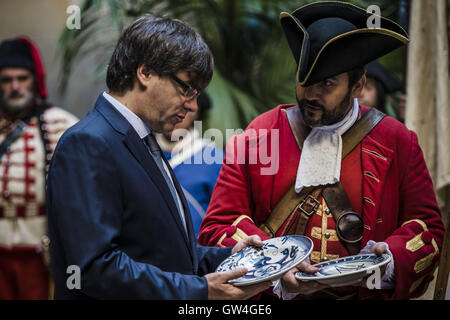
pixel 328 116
pixel 17 102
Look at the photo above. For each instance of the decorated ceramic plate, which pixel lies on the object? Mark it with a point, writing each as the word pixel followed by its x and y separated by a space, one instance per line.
pixel 269 262
pixel 345 271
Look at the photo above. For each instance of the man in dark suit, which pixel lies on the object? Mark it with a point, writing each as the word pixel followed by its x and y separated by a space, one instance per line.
pixel 116 211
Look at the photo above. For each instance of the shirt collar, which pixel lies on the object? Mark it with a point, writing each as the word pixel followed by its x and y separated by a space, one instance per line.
pixel 138 125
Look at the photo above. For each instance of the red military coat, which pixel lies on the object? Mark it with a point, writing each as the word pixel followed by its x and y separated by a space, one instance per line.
pixel 385 177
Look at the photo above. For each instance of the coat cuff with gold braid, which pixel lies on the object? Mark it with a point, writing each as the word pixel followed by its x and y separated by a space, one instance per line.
pixel 241 228
pixel 416 253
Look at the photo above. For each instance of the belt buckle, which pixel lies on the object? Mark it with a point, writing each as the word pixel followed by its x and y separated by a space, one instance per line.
pixel 314 208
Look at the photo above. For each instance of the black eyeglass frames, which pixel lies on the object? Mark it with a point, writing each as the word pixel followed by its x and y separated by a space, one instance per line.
pixel 188 91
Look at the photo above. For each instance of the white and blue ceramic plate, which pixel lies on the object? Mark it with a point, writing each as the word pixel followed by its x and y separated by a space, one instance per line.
pixel 345 271
pixel 269 262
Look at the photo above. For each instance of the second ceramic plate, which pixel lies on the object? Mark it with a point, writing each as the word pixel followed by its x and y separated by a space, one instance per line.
pixel 345 271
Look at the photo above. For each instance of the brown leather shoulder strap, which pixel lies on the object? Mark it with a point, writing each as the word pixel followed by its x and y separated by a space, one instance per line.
pixel 347 221
pixel 360 129
pixel 350 140
pixel 299 130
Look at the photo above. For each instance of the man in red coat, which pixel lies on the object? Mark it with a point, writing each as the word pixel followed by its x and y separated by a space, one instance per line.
pixel 384 176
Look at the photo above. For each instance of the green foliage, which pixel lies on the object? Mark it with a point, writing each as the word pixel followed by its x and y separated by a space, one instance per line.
pixel 254 69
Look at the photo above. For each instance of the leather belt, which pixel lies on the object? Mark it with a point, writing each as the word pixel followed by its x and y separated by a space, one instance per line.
pixel 348 223
pixel 301 214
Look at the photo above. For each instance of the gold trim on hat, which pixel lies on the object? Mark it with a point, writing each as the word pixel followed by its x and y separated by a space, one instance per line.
pixel 382 31
pixel 365 30
pixel 284 15
pixel 355 6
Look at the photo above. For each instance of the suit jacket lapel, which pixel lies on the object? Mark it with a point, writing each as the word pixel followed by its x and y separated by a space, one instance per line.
pixel 375 161
pixel 137 147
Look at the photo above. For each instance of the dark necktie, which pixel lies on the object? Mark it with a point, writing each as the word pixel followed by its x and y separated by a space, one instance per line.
pixel 157 154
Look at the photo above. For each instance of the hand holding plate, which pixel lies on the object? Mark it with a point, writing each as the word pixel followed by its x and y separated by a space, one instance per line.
pixel 220 289
pixel 379 249
pixel 253 240
pixel 292 285
pixel 270 261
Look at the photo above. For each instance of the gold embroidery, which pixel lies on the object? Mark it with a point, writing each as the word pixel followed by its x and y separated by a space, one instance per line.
pixel 371 175
pixel 324 205
pixel 367 227
pixel 316 232
pixel 332 256
pixel 221 239
pixel 374 153
pixel 424 263
pixel 323 234
pixel 239 235
pixel 435 246
pixel 329 235
pixel 315 256
pixel 379 220
pixel 333 235
pixel 415 243
pixel 240 218
pixel 423 224
pixel 369 201
pixel 319 211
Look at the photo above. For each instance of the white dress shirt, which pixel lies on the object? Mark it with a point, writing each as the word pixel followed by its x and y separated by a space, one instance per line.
pixel 143 131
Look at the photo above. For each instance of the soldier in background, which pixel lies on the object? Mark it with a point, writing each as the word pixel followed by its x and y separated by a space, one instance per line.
pixel 29 130
pixel 383 91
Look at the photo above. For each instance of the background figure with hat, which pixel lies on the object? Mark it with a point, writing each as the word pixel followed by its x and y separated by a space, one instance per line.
pixel 380 85
pixel 349 177
pixel 29 130
pixel 197 178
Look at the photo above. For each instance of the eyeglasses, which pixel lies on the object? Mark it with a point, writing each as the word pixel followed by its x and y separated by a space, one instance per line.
pixel 188 91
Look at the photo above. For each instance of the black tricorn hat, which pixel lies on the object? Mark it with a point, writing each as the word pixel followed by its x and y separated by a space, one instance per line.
pixel 328 38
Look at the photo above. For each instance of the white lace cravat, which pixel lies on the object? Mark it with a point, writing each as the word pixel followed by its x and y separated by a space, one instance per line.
pixel 320 162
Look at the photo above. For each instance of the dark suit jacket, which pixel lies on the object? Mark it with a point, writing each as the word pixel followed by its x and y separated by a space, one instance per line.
pixel 111 213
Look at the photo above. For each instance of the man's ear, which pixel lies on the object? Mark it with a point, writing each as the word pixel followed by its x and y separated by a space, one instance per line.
pixel 144 75
pixel 358 87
